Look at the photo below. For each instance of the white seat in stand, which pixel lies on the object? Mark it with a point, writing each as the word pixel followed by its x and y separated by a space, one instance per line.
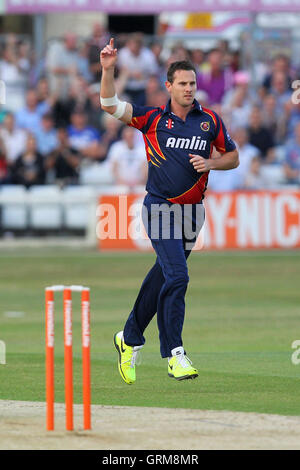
pixel 46 210
pixel 14 209
pixel 77 206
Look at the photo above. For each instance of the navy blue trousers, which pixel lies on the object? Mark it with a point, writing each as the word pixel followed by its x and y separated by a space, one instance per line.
pixel 172 234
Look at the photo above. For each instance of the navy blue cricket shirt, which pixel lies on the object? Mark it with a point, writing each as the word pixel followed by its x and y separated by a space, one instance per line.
pixel 168 142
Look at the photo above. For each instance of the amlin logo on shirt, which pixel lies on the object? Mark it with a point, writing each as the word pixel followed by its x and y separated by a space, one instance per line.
pixel 195 143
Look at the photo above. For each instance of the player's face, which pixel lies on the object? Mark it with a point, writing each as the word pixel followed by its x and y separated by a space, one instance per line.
pixel 183 87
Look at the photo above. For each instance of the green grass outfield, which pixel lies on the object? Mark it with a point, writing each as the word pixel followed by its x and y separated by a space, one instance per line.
pixel 242 315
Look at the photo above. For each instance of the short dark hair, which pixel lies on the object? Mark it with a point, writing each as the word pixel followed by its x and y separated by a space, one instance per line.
pixel 179 65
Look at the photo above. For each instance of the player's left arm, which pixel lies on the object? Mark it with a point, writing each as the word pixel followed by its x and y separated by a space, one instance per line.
pixel 226 161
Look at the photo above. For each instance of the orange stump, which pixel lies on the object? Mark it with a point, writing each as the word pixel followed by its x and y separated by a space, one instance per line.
pixel 68 358
pixel 49 298
pixel 86 364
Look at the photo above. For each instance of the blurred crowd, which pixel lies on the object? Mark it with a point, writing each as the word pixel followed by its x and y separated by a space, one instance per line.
pixel 52 129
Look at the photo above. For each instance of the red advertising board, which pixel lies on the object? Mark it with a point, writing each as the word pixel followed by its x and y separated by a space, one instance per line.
pixel 234 220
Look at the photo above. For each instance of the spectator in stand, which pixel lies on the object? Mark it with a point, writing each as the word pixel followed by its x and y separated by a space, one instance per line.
pixel 152 88
pixel 197 59
pixel 160 99
pixel 63 109
pixel 83 63
pixel 94 112
pixel 280 63
pixel 95 43
pixel 202 97
pixel 179 52
pixel 292 158
pixel 3 164
pixel 260 136
pixel 46 136
pixel 131 168
pixel 247 153
pixel 232 60
pixel 29 118
pixel 15 80
pixel 43 90
pixel 280 91
pixel 43 93
pixel 223 46
pixel 217 79
pixel 255 179
pixel 29 169
pixel 62 64
pixel 14 139
pixel 156 49
pixel 139 62
pixel 37 69
pixel 237 102
pixel 84 138
pixel 24 57
pixel 112 132
pixel 64 161
pixel 235 179
pixel 274 123
pixel 77 97
pixel 80 89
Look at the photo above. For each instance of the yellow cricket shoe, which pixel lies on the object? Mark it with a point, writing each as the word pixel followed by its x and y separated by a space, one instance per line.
pixel 180 366
pixel 127 358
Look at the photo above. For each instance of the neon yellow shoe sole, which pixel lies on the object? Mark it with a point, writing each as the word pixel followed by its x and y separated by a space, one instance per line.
pixel 184 377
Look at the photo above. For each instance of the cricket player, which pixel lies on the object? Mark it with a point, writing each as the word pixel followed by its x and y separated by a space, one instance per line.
pixel 179 139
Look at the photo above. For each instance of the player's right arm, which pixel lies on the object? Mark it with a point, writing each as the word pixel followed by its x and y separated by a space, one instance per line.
pixel 108 99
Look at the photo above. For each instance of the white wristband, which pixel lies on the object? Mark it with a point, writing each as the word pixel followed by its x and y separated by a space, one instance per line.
pixel 121 107
pixel 113 101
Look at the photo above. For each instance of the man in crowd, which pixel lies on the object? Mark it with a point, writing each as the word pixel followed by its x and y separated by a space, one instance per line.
pixel 216 80
pixel 139 62
pixel 131 168
pixel 84 138
pixel 46 136
pixel 29 118
pixel 14 139
pixel 64 161
pixel 62 64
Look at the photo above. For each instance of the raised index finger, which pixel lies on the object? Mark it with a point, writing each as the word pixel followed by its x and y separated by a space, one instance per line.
pixel 111 42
